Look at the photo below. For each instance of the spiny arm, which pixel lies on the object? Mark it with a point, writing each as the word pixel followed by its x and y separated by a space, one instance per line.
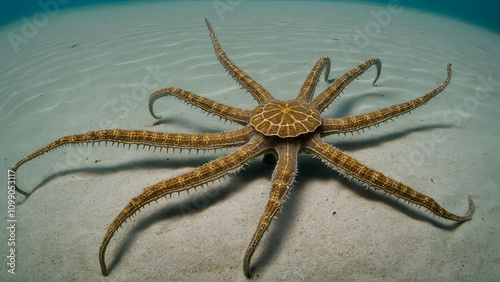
pixel 349 166
pixel 258 92
pixel 198 177
pixel 226 112
pixel 147 138
pixel 329 94
pixel 307 91
pixel 283 177
pixel 355 123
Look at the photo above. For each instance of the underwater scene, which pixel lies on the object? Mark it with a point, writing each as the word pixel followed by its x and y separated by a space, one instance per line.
pixel 305 140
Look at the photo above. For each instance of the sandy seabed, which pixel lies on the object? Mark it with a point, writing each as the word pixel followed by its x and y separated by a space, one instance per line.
pixel 94 68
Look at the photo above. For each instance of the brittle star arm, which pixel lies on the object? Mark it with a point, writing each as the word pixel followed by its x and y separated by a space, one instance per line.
pixel 258 92
pixel 197 177
pixel 324 99
pixel 240 116
pixel 209 141
pixel 307 90
pixel 349 166
pixel 283 177
pixel 355 123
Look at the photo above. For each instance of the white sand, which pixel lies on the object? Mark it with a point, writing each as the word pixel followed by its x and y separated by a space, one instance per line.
pixel 94 67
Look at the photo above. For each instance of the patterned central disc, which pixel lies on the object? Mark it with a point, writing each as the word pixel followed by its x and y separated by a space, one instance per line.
pixel 284 118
